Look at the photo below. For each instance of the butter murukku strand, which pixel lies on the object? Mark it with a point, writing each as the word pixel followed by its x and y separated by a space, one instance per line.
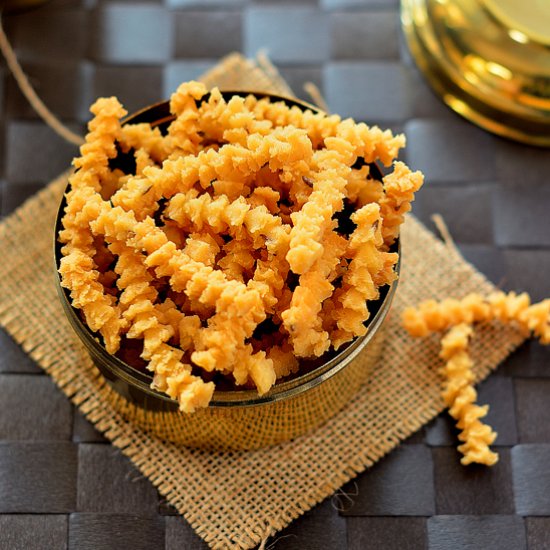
pixel 318 124
pixel 202 248
pixel 238 258
pixel 100 144
pixel 143 136
pixel 537 319
pixel 358 284
pixel 456 317
pixel 399 189
pixel 460 396
pixel 256 367
pixel 371 142
pixel 143 161
pixel 284 359
pixel 184 136
pixel 145 319
pixel 229 121
pixel 433 316
pixel 89 295
pixel 268 232
pixel 193 211
pixel 362 189
pixel 269 280
pixel 534 319
pixel 287 150
pixel 221 345
pixel 302 320
pixel 77 267
pixel 265 196
pixel 314 218
pixel 238 309
pixel 299 191
pixel 92 166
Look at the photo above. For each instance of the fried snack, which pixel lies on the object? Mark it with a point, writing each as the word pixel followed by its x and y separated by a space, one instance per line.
pixel 217 245
pixel 315 217
pixel 255 368
pixel 184 134
pixel 287 150
pixel 142 136
pixel 284 360
pixel 369 263
pixel 371 143
pixel 302 319
pixel 536 318
pixel 238 260
pixel 456 317
pixel 193 211
pixel 238 309
pixel 362 189
pixel 432 316
pixel 77 267
pixel 460 395
pixel 145 319
pixel 399 189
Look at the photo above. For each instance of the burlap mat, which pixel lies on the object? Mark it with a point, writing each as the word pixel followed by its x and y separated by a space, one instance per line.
pixel 237 499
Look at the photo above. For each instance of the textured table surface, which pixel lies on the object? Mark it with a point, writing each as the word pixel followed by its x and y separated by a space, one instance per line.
pixel 62 485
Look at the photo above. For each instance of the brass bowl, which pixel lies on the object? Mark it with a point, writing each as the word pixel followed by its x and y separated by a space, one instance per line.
pixel 239 419
pixel 488 60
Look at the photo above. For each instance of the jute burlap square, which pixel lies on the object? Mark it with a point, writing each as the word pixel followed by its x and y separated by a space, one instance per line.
pixel 237 499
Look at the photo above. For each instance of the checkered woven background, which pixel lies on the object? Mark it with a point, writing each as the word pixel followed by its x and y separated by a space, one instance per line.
pixel 62 485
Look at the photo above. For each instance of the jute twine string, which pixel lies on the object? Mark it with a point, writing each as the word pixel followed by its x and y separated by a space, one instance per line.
pixel 240 499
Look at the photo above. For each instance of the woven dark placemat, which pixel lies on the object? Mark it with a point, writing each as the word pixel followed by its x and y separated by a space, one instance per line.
pixel 493 195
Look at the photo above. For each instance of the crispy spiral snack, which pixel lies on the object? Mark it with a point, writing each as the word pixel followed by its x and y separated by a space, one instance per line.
pixel 456 317
pixel 78 267
pixel 370 267
pixel 217 244
pixel 432 316
pixel 399 189
pixel 460 395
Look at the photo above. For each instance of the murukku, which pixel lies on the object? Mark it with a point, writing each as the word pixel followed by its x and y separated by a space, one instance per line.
pixel 184 136
pixel 364 249
pixel 217 246
pixel 143 136
pixel 302 319
pixel 432 316
pixel 456 318
pixel 372 143
pixel 399 189
pixel 460 396
pixel 77 268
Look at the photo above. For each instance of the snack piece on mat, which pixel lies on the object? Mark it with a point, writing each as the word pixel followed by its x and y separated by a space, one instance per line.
pixel 457 317
pixel 459 395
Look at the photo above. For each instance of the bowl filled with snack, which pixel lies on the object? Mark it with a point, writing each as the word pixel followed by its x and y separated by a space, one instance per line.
pixel 229 259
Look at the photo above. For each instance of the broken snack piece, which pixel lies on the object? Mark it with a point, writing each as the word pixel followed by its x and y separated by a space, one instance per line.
pixel 456 318
pixel 460 395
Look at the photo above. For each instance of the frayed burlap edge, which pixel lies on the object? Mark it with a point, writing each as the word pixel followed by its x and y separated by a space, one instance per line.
pixel 237 499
